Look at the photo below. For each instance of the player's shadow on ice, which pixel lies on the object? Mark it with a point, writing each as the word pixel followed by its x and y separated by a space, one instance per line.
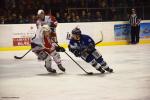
pixel 95 74
pixel 50 74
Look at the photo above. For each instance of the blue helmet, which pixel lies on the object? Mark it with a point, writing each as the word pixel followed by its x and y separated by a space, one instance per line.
pixel 76 31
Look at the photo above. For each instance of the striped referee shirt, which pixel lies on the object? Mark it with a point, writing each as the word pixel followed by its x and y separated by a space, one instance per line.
pixel 134 20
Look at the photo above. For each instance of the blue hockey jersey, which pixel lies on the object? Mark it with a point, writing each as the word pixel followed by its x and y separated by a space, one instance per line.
pixel 85 42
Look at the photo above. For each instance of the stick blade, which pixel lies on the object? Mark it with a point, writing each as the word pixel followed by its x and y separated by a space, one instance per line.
pixel 17 57
pixel 90 73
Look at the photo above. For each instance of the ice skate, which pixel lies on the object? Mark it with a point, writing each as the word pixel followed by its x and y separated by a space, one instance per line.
pixel 101 70
pixel 109 70
pixel 61 68
pixel 51 70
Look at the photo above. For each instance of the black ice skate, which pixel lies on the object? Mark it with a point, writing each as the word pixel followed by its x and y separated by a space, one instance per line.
pixel 109 70
pixel 101 70
pixel 61 68
pixel 50 70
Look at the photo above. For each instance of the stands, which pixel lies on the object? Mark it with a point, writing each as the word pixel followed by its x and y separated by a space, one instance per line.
pixel 24 11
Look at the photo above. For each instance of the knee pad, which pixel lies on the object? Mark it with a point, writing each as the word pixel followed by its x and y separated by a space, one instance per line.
pixel 42 55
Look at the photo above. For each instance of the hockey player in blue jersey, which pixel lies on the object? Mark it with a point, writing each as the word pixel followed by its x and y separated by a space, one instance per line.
pixel 83 46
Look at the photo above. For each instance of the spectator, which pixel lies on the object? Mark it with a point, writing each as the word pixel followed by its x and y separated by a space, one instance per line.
pixel 89 17
pixel 2 20
pixel 58 17
pixel 83 16
pixel 73 17
pixel 20 20
pixel 98 16
pixel 33 19
pixel 68 19
pixel 78 18
pixel 27 20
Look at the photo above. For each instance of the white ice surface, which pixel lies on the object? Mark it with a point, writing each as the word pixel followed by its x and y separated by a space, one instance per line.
pixel 27 79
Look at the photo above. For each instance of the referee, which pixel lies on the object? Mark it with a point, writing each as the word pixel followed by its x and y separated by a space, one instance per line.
pixel 135 27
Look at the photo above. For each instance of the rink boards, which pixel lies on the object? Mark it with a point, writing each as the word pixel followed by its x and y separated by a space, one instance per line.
pixel 17 36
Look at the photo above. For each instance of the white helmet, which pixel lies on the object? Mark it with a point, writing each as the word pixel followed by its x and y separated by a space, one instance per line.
pixel 40 11
pixel 46 28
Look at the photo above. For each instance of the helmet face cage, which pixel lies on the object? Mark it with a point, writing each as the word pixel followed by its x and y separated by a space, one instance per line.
pixel 76 34
pixel 76 31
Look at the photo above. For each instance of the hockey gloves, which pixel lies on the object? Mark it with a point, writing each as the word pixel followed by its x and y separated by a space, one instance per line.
pixel 91 48
pixel 60 49
pixel 77 53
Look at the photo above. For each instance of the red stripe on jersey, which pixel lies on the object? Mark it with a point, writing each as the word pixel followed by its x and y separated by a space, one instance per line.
pixel 47 41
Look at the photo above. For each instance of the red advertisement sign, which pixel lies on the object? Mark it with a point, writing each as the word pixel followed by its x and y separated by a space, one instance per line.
pixel 21 41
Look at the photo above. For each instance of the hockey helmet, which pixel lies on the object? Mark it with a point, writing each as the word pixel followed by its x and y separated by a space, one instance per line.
pixel 76 31
pixel 40 11
pixel 46 28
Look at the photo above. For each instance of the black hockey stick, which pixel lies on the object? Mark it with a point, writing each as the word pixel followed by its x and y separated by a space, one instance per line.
pixel 89 73
pixel 16 57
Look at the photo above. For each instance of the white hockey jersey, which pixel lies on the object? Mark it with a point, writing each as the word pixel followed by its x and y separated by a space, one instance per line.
pixel 44 42
pixel 39 37
pixel 50 20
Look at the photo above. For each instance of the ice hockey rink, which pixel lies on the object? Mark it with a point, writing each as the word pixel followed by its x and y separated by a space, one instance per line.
pixel 27 79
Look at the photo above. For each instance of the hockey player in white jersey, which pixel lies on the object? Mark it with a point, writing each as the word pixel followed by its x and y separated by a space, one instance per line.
pixel 84 46
pixel 44 47
pixel 49 20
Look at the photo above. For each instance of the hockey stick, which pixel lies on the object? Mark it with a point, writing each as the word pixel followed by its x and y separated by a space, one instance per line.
pixel 100 40
pixel 89 73
pixel 16 57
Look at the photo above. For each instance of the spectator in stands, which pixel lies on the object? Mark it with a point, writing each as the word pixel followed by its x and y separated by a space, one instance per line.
pixel 98 16
pixel 33 19
pixel 64 17
pixel 14 18
pixel 27 20
pixel 20 20
pixel 78 18
pixel 83 16
pixel 2 20
pixel 73 17
pixel 68 19
pixel 89 17
pixel 58 17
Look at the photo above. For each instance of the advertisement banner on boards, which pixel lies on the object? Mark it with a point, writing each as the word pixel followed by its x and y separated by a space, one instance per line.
pixel 23 37
pixel 145 30
pixel 122 31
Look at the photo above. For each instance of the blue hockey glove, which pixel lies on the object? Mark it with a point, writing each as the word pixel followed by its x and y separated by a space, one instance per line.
pixel 91 47
pixel 77 53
